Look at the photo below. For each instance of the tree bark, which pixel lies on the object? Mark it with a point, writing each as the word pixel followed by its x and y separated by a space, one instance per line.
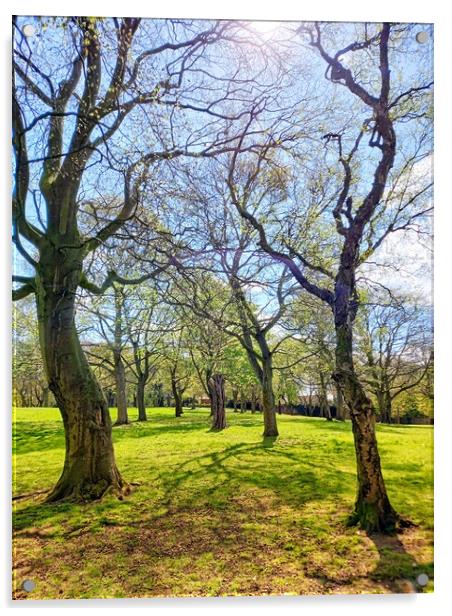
pixel 340 410
pixel 373 510
pixel 121 394
pixel 177 397
pixel 216 388
pixel 141 384
pixel 89 466
pixel 384 406
pixel 268 399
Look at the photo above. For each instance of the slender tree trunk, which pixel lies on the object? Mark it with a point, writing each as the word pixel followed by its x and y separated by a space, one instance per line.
pixel 45 397
pixel 121 394
pixel 268 398
pixel 242 401
pixel 340 410
pixel 141 384
pixel 387 408
pixel 208 374
pixel 216 388
pixel 235 395
pixel 177 397
pixel 324 404
pixel 253 399
pixel 89 466
pixel 119 369
pixel 23 399
pixel 373 511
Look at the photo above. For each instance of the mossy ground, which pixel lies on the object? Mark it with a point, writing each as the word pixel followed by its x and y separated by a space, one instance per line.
pixel 226 513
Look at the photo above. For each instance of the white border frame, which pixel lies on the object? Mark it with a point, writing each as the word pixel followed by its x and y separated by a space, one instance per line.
pixel 329 10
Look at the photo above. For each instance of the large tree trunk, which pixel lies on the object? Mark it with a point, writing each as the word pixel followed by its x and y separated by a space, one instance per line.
pixel 89 466
pixel 216 388
pixel 140 400
pixel 121 394
pixel 268 399
pixel 373 511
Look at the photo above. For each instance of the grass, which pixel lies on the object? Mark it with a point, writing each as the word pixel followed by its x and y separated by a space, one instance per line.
pixel 226 513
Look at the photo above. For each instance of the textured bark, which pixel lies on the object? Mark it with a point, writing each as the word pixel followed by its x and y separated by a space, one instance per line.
pixel 373 510
pixel 216 388
pixel 121 395
pixel 141 384
pixel 89 466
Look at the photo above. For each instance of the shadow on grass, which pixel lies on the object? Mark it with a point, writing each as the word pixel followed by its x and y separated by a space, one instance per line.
pixel 269 441
pixel 33 436
pixel 215 479
pixel 397 566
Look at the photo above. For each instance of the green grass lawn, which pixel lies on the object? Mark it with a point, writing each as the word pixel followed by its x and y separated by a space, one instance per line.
pixel 220 513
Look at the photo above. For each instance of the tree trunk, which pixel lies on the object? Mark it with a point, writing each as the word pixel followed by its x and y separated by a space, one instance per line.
pixel 340 408
pixel 253 399
pixel 384 406
pixel 235 395
pixel 140 400
pixel 45 397
pixel 216 388
pixel 89 466
pixel 324 404
pixel 121 395
pixel 268 399
pixel 242 401
pixel 177 397
pixel 372 511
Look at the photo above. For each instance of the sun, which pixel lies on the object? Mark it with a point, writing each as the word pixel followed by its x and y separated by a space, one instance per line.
pixel 265 29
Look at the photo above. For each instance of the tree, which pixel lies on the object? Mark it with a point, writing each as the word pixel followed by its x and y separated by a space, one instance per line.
pixel 396 342
pixel 109 325
pixel 216 390
pixel 29 383
pixel 371 201
pixel 146 323
pixel 75 105
pixel 224 294
pixel 179 366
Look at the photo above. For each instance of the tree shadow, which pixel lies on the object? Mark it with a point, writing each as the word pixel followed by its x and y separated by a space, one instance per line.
pixel 396 566
pixel 269 441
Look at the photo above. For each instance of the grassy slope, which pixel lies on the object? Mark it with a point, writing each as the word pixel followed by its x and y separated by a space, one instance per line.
pixel 220 513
